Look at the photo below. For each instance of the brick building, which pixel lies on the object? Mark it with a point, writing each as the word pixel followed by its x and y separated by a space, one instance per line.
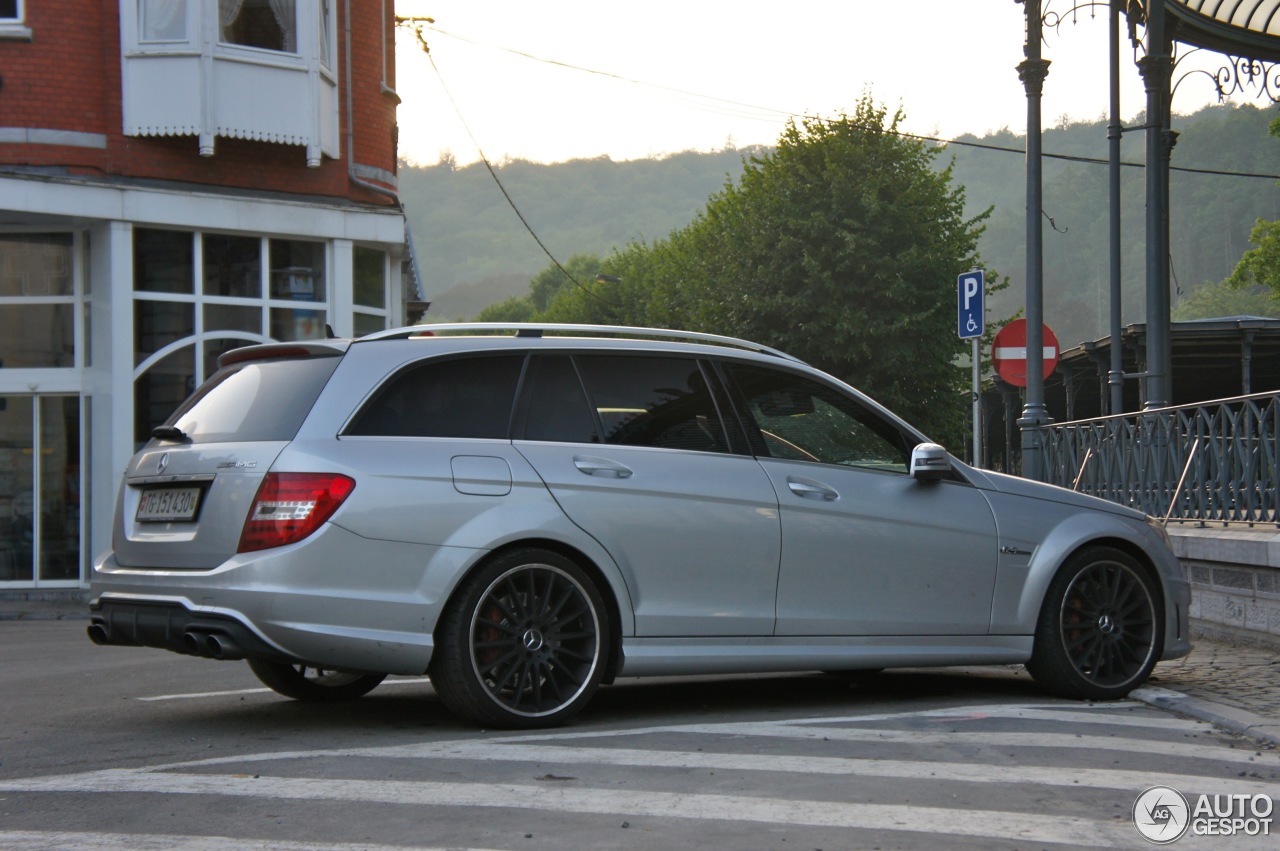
pixel 177 178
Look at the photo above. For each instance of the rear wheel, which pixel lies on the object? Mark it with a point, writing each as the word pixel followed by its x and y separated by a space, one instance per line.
pixel 523 642
pixel 1100 630
pixel 314 685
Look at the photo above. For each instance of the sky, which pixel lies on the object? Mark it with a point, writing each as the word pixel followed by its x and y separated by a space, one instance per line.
pixel 571 79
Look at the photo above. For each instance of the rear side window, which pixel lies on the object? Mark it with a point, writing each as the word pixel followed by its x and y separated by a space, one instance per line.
pixel 653 401
pixel 254 400
pixel 462 397
pixel 557 409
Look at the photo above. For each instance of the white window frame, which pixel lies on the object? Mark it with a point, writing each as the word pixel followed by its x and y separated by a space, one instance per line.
pixel 14 28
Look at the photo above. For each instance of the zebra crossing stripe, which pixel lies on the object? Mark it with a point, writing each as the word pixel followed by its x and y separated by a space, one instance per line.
pixel 1026 827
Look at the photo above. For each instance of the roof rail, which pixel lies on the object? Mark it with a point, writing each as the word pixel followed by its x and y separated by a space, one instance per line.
pixel 536 329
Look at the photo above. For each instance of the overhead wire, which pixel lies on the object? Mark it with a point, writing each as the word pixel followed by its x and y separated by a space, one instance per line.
pixel 737 105
pixel 494 174
pixel 786 113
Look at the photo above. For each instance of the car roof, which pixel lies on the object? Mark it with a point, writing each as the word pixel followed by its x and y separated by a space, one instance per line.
pixel 608 336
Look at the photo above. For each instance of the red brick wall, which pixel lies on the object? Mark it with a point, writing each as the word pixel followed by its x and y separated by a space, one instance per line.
pixel 68 78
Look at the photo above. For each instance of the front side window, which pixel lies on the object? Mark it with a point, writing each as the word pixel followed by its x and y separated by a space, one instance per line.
pixel 462 398
pixel 661 402
pixel 265 24
pixel 798 419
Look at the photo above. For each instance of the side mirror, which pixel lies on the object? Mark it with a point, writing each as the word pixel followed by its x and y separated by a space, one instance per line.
pixel 929 463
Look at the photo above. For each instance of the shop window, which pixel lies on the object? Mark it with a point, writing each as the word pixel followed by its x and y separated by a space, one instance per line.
pixel 40 487
pixel 369 290
pixel 162 261
pixel 370 278
pixel 297 270
pixel 232 265
pixel 160 390
pixel 156 324
pixel 265 24
pixel 35 264
pixel 37 300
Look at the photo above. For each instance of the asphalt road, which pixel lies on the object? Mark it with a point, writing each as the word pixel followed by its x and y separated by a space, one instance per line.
pixel 121 748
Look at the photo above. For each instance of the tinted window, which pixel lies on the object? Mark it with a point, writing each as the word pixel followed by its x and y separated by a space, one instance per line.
pixel 804 420
pixel 653 401
pixel 557 410
pixel 256 400
pixel 463 397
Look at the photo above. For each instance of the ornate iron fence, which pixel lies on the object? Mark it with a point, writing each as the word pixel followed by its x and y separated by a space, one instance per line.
pixel 1209 462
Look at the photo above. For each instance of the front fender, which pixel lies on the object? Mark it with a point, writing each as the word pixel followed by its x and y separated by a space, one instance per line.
pixel 1038 536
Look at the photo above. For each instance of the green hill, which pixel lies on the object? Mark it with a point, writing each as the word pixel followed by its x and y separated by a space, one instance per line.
pixel 474 251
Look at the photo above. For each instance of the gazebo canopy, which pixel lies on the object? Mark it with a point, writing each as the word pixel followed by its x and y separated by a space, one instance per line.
pixel 1248 28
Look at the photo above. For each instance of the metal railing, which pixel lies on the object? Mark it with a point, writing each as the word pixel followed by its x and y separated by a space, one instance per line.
pixel 1209 462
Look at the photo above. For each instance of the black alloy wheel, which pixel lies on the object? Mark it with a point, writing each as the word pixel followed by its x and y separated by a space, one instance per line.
pixel 1101 627
pixel 523 643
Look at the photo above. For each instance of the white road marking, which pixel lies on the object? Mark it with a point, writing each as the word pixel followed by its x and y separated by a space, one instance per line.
pixel 570 748
pixel 32 840
pixel 1029 828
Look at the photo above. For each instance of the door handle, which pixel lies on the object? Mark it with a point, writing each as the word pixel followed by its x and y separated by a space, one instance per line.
pixel 809 489
pixel 601 467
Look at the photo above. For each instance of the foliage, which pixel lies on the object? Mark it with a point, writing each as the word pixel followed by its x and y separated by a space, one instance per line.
pixel 474 252
pixel 1226 299
pixel 840 246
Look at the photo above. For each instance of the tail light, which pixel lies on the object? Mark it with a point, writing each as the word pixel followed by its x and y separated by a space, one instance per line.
pixel 290 506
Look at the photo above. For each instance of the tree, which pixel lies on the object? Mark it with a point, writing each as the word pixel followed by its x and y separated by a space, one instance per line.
pixel 1261 265
pixel 842 247
pixel 1212 301
pixel 546 286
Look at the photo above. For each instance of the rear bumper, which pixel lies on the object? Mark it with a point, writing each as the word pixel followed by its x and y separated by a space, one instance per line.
pixel 169 625
pixel 335 601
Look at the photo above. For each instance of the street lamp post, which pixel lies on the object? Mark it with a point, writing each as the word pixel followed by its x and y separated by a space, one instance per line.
pixel 1032 71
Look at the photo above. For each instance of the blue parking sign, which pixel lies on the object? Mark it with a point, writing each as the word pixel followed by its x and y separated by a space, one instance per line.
pixel 972 317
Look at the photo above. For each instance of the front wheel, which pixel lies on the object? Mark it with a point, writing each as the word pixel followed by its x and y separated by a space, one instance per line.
pixel 522 643
pixel 1101 627
pixel 313 685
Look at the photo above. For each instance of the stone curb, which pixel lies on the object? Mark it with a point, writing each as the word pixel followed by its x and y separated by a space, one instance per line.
pixel 1256 727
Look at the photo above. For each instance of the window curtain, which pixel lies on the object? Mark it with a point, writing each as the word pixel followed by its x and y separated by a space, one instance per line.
pixel 287 17
pixel 163 20
pixel 228 11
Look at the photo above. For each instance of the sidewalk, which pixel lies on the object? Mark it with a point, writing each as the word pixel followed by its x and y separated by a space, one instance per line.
pixel 1233 686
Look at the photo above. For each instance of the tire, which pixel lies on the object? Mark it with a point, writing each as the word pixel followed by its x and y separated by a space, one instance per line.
pixel 1101 627
pixel 313 685
pixel 522 643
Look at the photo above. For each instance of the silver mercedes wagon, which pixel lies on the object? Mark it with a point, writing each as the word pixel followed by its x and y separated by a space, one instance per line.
pixel 527 512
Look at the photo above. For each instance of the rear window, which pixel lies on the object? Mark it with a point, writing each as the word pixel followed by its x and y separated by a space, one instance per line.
pixel 254 400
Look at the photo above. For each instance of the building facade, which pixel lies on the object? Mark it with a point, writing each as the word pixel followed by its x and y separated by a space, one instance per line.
pixel 177 178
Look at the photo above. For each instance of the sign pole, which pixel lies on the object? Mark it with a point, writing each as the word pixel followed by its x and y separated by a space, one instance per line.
pixel 971 321
pixel 977 403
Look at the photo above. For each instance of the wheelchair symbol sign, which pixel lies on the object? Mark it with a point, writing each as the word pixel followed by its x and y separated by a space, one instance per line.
pixel 970 291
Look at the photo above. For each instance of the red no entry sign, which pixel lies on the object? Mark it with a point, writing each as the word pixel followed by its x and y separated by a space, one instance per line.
pixel 1009 352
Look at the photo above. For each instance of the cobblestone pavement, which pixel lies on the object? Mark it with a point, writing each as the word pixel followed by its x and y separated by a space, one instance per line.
pixel 1236 675
pixel 1235 686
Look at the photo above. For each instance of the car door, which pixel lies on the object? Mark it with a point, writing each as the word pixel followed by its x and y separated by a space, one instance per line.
pixel 635 450
pixel 866 548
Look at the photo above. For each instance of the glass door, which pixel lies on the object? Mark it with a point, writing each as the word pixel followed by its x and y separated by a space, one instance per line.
pixel 40 491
